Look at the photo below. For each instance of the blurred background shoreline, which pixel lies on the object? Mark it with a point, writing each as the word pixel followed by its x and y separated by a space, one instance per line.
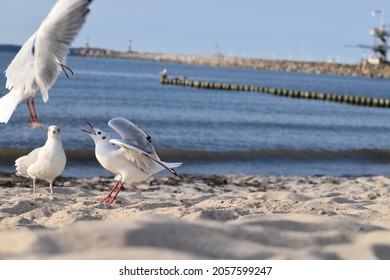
pixel 212 132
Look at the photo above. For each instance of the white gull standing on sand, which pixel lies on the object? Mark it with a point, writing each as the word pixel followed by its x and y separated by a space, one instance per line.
pixel 37 64
pixel 132 158
pixel 46 162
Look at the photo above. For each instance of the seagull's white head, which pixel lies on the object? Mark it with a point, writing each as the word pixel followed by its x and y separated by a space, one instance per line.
pixel 54 132
pixel 98 135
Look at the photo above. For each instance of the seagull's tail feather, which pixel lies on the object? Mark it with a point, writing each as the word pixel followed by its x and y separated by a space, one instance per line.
pixel 8 104
pixel 167 165
pixel 23 163
pixel 173 164
pixel 21 169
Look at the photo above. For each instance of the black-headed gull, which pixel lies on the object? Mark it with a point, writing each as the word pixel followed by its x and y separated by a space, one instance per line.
pixel 46 162
pixel 132 158
pixel 37 64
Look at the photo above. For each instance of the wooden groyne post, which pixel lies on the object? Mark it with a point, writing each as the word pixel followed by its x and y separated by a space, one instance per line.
pixel 332 97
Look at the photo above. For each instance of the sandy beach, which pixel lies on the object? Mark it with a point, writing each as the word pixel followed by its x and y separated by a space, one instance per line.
pixel 215 217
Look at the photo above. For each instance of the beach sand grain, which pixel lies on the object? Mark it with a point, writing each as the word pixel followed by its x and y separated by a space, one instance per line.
pixel 214 217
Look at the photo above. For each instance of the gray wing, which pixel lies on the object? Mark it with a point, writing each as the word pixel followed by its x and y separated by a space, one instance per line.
pixel 132 134
pixel 142 163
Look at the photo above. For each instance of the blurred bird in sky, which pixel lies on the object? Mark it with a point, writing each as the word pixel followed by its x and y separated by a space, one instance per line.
pixel 38 63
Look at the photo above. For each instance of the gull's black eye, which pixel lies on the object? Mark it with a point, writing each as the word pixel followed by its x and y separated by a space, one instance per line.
pixel 104 137
pixel 99 132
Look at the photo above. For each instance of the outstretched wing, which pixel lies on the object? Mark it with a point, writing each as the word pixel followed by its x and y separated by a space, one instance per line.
pixel 144 162
pixel 53 39
pixel 20 72
pixel 131 133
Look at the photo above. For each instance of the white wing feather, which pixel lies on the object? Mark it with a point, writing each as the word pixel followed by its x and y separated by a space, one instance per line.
pixel 53 39
pixel 20 72
pixel 134 154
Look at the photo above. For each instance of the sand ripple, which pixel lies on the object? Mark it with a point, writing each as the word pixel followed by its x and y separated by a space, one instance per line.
pixel 216 217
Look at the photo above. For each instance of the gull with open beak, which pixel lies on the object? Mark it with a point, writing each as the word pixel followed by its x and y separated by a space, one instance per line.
pixel 133 158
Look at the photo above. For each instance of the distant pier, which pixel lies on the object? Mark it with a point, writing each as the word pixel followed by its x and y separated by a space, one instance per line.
pixel 361 69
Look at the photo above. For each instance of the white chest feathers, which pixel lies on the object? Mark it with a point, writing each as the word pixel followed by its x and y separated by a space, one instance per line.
pixel 50 161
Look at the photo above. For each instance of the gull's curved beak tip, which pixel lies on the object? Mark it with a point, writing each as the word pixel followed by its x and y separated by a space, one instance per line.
pixel 89 132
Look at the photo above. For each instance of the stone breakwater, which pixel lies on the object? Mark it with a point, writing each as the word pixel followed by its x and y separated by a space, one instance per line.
pixel 361 69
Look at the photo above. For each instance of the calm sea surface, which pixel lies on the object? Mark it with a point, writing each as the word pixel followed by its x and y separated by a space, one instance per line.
pixel 211 132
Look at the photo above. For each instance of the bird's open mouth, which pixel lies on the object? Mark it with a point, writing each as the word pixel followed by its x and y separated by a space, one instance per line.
pixel 89 132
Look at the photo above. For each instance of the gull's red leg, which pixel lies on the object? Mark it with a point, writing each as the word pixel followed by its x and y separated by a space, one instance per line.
pixel 35 111
pixel 67 68
pixel 29 110
pixel 116 194
pixel 108 197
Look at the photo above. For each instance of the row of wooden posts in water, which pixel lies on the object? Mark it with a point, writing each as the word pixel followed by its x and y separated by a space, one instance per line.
pixel 355 100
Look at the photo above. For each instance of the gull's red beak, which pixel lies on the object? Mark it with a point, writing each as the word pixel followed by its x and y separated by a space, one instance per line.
pixel 89 132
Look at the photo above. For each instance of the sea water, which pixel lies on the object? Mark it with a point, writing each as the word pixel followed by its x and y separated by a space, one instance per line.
pixel 210 131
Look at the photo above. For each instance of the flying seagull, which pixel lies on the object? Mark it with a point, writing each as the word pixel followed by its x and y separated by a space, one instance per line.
pixel 38 63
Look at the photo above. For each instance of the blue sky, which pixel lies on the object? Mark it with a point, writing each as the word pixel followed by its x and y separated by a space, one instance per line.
pixel 281 29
